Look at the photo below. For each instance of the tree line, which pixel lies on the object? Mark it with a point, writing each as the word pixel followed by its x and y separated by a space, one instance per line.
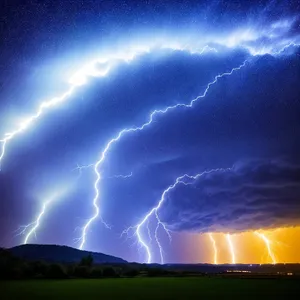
pixel 12 267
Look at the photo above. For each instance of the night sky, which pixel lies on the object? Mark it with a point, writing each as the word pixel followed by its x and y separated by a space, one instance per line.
pixel 246 128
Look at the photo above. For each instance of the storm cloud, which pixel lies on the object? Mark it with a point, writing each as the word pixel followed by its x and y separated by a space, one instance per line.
pixel 251 195
pixel 253 113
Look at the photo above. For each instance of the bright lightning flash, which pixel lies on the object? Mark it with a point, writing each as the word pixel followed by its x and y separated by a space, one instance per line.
pixel 134 129
pixel 231 248
pixel 214 247
pixel 154 211
pixel 36 224
pixel 268 245
pixel 101 68
pixel 97 68
pixel 29 121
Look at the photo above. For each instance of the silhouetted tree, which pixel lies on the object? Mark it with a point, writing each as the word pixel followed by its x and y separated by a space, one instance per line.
pixel 87 261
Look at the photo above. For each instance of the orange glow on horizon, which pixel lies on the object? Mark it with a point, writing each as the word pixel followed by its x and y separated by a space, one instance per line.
pixel 249 248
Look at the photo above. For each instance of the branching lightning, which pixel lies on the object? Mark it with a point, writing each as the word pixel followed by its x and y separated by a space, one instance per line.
pixel 29 121
pixel 81 78
pixel 214 247
pixel 149 232
pixel 291 44
pixel 231 248
pixel 161 251
pixel 154 211
pixel 122 176
pixel 81 167
pixel 268 245
pixel 37 222
pixel 23 228
pixel 33 226
pixel 134 129
pixel 102 66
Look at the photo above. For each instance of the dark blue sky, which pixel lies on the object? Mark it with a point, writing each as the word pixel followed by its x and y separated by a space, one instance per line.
pixel 248 121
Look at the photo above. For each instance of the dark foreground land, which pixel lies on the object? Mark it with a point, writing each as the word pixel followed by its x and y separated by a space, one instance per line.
pixel 153 288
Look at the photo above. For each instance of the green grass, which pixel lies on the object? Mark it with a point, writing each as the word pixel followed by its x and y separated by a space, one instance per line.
pixel 151 288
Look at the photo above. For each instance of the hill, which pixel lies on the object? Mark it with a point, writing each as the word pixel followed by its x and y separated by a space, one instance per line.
pixel 60 254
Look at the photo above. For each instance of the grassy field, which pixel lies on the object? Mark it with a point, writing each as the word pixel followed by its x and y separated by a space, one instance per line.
pixel 151 288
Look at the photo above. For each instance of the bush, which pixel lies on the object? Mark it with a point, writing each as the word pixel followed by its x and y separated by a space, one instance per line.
pixel 56 271
pixel 96 273
pixel 82 272
pixel 131 273
pixel 28 270
pixel 16 273
pixel 153 272
pixel 39 268
pixel 70 269
pixel 109 272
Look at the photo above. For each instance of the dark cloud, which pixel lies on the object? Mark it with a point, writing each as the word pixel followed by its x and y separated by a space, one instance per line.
pixel 252 195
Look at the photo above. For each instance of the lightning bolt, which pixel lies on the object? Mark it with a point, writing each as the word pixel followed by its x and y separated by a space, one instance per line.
pixel 81 167
pixel 37 222
pixel 81 78
pixel 231 248
pixel 29 121
pixel 122 176
pixel 161 251
pixel 154 211
pixel 149 232
pixel 291 44
pixel 268 245
pixel 91 69
pixel 214 247
pixel 166 230
pixel 23 229
pixel 134 129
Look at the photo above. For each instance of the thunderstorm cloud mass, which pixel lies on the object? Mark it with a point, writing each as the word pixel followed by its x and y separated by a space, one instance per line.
pixel 129 127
